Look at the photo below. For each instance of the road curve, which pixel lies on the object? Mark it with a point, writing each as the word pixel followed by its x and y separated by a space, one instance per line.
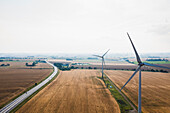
pixel 17 101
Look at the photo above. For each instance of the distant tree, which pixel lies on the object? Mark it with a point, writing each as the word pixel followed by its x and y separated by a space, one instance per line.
pixel 152 70
pixel 69 59
pixel 59 65
pixel 159 59
pixel 34 63
pixel 89 67
pixel 72 67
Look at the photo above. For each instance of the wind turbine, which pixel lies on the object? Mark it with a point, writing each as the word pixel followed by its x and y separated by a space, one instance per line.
pixel 103 62
pixel 140 64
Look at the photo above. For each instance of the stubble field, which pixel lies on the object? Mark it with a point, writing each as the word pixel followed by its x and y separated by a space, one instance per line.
pixel 19 65
pixel 75 91
pixel 155 89
pixel 16 78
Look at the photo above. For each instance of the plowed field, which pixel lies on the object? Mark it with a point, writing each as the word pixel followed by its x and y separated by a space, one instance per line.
pixel 15 79
pixel 76 91
pixel 155 89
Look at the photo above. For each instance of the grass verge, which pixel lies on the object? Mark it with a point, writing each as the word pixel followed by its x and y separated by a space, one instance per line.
pixel 27 99
pixel 125 107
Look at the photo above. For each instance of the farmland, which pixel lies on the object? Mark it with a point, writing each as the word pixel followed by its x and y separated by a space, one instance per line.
pixel 156 62
pixel 155 89
pixel 19 65
pixel 16 78
pixel 75 91
pixel 90 62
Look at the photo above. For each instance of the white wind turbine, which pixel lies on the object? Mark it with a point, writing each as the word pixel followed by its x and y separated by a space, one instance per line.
pixel 103 62
pixel 140 64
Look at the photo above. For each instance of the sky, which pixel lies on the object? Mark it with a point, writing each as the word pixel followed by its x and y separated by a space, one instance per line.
pixel 84 26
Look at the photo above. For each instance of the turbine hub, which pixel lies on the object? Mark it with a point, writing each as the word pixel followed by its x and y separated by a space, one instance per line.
pixel 141 64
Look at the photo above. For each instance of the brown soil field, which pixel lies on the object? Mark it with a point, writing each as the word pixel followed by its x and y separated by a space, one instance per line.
pixel 22 65
pixel 155 89
pixel 14 81
pixel 166 65
pixel 122 67
pixel 75 91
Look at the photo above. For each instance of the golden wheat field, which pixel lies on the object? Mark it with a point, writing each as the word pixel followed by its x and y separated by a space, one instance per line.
pixel 155 89
pixel 75 91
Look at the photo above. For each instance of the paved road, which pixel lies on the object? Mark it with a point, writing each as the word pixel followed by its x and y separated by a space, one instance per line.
pixel 17 101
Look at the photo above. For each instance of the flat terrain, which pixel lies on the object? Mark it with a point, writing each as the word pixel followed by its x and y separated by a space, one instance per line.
pixel 75 91
pixel 112 67
pixel 91 62
pixel 16 78
pixel 22 65
pixel 155 89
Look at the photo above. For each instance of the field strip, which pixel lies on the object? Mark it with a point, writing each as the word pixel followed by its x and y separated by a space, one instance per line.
pixel 123 95
pixel 24 96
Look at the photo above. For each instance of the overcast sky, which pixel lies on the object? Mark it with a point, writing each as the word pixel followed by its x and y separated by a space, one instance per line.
pixel 84 26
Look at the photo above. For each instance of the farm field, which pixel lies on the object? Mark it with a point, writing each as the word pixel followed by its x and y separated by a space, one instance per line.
pixel 22 65
pixel 99 61
pixel 16 78
pixel 166 65
pixel 155 62
pixel 112 67
pixel 155 89
pixel 75 91
pixel 91 62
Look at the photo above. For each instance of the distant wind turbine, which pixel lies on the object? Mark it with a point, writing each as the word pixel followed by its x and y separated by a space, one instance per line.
pixel 140 64
pixel 103 62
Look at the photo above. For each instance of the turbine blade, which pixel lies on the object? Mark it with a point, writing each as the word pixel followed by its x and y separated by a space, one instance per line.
pixel 105 53
pixel 153 65
pixel 137 56
pixel 97 56
pixel 131 77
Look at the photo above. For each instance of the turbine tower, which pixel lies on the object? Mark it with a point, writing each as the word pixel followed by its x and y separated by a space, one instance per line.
pixel 140 64
pixel 103 62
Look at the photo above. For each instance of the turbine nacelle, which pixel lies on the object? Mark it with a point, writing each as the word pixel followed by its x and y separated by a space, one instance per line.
pixel 141 64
